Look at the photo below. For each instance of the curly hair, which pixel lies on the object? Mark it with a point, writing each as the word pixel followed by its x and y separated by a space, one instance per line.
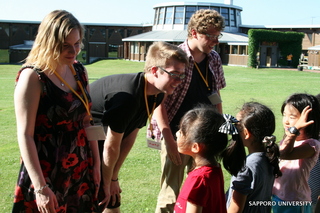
pixel 202 19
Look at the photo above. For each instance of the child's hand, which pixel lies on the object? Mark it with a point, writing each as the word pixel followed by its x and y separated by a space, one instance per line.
pixel 302 121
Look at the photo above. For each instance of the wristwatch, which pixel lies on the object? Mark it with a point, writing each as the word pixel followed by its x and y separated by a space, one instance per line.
pixel 294 130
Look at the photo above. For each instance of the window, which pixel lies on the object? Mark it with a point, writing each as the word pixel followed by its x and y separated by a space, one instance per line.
pixel 178 15
pixel 232 18
pixel 189 11
pixel 169 14
pixel 234 49
pixel 226 49
pixel 216 9
pixel 4 28
pixel 225 14
pixel 142 48
pixel 103 32
pixel 243 50
pixel 113 51
pixel 161 15
pixel 134 48
pixel 203 7
pixel 156 16
pixel 91 31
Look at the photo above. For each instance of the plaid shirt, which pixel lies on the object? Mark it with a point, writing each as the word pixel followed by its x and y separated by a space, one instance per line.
pixel 173 102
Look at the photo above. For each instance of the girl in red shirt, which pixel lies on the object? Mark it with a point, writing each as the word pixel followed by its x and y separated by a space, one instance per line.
pixel 203 135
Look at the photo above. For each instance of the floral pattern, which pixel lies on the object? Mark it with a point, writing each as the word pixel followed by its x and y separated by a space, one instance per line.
pixel 63 149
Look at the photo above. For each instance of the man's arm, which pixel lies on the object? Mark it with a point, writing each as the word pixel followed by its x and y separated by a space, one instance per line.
pixel 110 156
pixel 160 114
pixel 116 149
pixel 219 105
pixel 125 148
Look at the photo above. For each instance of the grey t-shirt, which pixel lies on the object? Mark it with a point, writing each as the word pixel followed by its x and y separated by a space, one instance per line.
pixel 255 181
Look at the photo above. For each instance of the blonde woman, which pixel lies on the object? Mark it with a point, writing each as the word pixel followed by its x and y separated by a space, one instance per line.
pixel 60 169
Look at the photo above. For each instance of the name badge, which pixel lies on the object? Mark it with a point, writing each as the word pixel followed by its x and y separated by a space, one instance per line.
pixel 151 143
pixel 95 133
pixel 214 98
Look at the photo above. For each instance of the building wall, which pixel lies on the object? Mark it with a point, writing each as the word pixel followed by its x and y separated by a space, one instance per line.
pixel 105 41
pixel 314 58
pixel 310 40
pixel 101 41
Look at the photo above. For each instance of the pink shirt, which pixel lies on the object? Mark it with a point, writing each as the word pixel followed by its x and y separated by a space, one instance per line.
pixel 293 184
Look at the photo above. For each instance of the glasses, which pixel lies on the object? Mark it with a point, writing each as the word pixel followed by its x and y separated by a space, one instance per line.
pixel 178 77
pixel 213 37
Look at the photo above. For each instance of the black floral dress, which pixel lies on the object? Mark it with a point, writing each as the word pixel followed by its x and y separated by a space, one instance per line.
pixel 63 149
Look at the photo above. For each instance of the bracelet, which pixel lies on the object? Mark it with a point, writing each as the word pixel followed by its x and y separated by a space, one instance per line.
pixel 39 191
pixel 114 180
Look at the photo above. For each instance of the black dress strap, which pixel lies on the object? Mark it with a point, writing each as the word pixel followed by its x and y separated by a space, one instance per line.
pixel 39 73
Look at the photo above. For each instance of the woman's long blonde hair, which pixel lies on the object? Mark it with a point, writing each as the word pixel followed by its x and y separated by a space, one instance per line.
pixel 51 36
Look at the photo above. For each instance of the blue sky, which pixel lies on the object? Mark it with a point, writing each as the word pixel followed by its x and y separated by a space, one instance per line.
pixel 255 12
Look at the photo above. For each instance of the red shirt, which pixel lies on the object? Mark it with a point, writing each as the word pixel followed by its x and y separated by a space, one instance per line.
pixel 203 187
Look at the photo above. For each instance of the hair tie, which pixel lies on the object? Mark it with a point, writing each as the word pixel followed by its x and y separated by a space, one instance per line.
pixel 228 127
pixel 269 140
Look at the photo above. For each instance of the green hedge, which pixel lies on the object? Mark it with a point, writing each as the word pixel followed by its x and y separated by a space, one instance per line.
pixel 288 42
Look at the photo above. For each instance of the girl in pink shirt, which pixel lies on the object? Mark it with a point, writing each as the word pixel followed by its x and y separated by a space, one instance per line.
pixel 299 152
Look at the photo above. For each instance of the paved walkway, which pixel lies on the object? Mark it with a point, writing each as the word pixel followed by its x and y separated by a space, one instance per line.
pixel 295 69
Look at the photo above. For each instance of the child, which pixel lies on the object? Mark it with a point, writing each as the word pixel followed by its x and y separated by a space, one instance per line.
pixel 199 136
pixel 299 152
pixel 254 183
pixel 313 181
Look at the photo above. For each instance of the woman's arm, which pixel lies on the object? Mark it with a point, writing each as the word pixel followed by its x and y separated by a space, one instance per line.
pixel 26 100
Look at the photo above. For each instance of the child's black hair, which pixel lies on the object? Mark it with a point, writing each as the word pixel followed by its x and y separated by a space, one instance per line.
pixel 259 120
pixel 201 125
pixel 300 101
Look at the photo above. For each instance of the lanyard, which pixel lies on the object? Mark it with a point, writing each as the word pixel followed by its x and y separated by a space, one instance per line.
pixel 147 106
pixel 85 101
pixel 205 80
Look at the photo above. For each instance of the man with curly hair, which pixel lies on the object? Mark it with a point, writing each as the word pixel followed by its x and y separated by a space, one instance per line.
pixel 203 82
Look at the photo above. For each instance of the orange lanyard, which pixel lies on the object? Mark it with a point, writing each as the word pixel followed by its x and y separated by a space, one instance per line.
pixel 147 106
pixel 205 80
pixel 85 101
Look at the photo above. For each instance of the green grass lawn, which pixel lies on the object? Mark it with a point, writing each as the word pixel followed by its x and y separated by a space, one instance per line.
pixel 4 56
pixel 140 174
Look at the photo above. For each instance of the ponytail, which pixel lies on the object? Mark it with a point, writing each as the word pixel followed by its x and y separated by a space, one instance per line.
pixel 272 153
pixel 234 156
